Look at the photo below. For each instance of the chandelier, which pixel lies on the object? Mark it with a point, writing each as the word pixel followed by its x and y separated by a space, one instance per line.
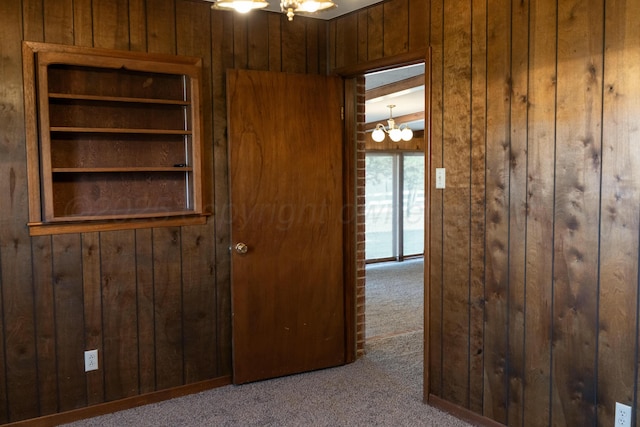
pixel 290 7
pixel 396 133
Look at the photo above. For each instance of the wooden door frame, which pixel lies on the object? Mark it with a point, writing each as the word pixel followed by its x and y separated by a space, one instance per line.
pixel 350 194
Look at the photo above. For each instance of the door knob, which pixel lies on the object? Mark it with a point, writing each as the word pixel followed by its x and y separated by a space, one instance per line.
pixel 241 248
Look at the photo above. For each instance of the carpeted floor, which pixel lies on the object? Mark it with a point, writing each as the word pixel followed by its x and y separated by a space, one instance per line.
pixel 383 388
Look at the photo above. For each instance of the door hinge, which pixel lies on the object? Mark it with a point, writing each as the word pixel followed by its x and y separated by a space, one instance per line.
pixel 341 113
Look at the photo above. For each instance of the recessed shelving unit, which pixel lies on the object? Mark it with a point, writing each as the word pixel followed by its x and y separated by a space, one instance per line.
pixel 116 136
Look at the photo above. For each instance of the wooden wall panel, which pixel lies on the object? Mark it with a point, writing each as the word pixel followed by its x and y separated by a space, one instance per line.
pixel 478 205
pixel 146 311
pixel 618 310
pixel 111 24
pixel 294 58
pixel 19 394
pixel 258 44
pixel 168 307
pixel 45 325
pixel 396 27
pixel 119 314
pixel 33 20
pixel 375 32
pixel 161 26
pixel 435 269
pixel 540 198
pixel 83 23
pixel 93 315
pixel 497 198
pixel 578 171
pixel 58 21
pixel 69 318
pixel 456 208
pixel 517 207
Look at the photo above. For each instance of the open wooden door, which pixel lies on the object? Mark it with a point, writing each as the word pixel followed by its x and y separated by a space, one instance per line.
pixel 285 160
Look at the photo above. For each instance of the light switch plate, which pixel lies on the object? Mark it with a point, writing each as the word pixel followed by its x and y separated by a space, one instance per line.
pixel 440 178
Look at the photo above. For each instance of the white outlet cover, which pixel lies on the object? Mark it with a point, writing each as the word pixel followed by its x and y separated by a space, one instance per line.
pixel 623 415
pixel 91 360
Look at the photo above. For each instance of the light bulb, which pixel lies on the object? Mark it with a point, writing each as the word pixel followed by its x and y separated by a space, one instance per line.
pixel 242 6
pixel 377 135
pixel 395 134
pixel 407 134
pixel 309 6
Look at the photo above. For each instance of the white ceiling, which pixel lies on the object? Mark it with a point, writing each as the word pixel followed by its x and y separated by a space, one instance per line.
pixel 406 102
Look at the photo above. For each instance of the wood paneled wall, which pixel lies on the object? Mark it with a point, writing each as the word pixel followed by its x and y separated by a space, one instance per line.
pixel 535 241
pixel 154 302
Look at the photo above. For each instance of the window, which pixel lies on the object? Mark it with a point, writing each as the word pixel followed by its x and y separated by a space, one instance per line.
pixel 394 209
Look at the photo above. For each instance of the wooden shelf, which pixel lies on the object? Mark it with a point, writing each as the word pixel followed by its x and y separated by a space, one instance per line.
pixel 78 97
pixel 116 170
pixel 121 130
pixel 110 128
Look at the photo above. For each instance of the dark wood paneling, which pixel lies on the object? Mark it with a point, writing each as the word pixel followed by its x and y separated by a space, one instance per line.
pixel 418 32
pixel 577 219
pixel 19 398
pixel 137 25
pixel 517 207
pixel 375 31
pixel 33 20
pixel 111 24
pixel 83 22
pixel 540 196
pixel 69 312
pixel 478 205
pixel 161 26
pixel 437 147
pixel 275 44
pixel 58 21
pixel 619 213
pixel 396 27
pixel 258 44
pixel 91 272
pixel 456 208
pixel 168 307
pixel 45 325
pixel 293 47
pixel 146 311
pixel 497 198
pixel 119 314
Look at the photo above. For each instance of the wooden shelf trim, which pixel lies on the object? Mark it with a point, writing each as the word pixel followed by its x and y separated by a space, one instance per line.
pixel 120 130
pixel 122 99
pixel 122 169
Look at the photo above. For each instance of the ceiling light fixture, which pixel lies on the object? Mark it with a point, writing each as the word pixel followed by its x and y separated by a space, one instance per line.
pixel 242 6
pixel 291 7
pixel 396 133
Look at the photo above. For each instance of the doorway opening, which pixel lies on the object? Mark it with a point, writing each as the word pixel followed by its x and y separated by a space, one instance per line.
pixel 395 220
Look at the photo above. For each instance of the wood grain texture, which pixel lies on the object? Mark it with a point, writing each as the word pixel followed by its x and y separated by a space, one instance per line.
pixel 577 214
pixel 294 55
pixel 540 197
pixel 146 311
pixel 396 27
pixel 418 11
pixel 92 290
pixel 161 26
pixel 111 24
pixel 375 32
pixel 33 20
pixel 70 329
pixel 168 312
pixel 83 23
pixel 437 147
pixel 478 205
pixel 456 208
pixel 137 26
pixel 119 314
pixel 618 299
pixel 498 160
pixel 17 326
pixel 258 44
pixel 58 21
pixel 518 207
pixel 275 41
pixel 45 324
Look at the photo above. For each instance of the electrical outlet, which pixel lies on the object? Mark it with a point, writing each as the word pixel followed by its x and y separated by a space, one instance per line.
pixel 623 415
pixel 91 360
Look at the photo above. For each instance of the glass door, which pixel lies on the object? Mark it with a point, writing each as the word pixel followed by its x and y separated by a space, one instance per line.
pixel 394 209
